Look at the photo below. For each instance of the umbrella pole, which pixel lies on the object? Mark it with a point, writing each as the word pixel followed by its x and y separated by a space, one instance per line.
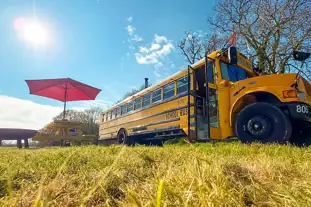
pixel 65 98
pixel 64 114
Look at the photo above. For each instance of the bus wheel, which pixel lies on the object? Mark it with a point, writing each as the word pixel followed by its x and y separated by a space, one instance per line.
pixel 123 138
pixel 262 122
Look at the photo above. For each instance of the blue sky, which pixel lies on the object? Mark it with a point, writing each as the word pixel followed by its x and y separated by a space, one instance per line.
pixel 112 45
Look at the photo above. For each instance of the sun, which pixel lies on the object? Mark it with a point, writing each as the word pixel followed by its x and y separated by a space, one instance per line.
pixel 32 31
pixel 35 33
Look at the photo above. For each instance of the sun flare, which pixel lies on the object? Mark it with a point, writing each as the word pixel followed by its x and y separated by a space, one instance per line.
pixel 32 32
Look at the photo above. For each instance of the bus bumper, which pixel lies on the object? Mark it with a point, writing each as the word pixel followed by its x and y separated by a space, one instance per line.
pixel 300 111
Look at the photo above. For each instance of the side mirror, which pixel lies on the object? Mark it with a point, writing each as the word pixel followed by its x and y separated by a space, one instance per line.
pixel 301 56
pixel 233 55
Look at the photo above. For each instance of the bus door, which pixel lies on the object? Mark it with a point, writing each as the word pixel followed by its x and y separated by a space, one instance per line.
pixel 206 108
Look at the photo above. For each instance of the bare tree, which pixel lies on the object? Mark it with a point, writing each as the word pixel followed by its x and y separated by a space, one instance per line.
pixel 268 29
pixel 91 125
pixel 194 45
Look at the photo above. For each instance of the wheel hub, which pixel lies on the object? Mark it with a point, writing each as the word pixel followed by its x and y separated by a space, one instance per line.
pixel 259 127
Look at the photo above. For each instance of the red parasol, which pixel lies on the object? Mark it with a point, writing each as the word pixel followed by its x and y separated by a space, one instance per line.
pixel 62 89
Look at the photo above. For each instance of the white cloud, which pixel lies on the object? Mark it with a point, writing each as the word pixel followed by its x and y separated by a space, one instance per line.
pixel 131 32
pixel 19 113
pixel 166 49
pixel 26 114
pixel 129 19
pixel 146 59
pixel 155 46
pixel 157 74
pixel 160 39
pixel 143 50
pixel 156 52
pixel 130 29
pixel 137 38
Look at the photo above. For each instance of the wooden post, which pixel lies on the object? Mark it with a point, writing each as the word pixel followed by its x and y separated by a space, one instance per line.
pixel 19 143
pixel 26 144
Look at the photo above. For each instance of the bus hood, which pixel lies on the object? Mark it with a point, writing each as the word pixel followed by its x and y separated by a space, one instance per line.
pixel 281 80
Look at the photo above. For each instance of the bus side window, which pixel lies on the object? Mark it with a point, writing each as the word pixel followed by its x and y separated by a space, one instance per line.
pixel 157 95
pixel 169 90
pixel 109 115
pixel 146 101
pixel 113 114
pixel 130 107
pixel 123 111
pixel 137 103
pixel 118 111
pixel 182 85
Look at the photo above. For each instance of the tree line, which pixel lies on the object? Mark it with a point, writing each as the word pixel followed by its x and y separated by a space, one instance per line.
pixel 88 117
pixel 268 31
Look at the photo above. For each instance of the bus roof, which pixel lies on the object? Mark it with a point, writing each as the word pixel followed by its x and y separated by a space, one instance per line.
pixel 146 90
pixel 164 81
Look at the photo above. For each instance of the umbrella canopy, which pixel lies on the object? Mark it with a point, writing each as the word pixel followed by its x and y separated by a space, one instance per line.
pixel 62 89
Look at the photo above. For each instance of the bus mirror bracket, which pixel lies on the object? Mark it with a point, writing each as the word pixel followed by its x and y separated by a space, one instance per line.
pixel 225 83
pixel 233 55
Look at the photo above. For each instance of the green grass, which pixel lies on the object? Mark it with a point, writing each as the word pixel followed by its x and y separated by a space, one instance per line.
pixel 227 174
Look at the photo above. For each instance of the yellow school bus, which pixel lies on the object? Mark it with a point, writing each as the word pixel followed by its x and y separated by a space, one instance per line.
pixel 217 98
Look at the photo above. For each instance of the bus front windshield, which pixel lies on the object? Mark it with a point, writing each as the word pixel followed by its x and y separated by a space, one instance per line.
pixel 232 72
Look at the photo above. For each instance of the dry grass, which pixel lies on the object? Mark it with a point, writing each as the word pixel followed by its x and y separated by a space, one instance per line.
pixel 177 175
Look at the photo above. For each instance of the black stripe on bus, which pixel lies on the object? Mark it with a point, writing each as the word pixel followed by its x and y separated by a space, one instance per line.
pixel 155 123
pixel 147 132
pixel 146 117
pixel 157 130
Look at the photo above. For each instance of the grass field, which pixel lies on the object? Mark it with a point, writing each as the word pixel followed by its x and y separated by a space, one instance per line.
pixel 227 174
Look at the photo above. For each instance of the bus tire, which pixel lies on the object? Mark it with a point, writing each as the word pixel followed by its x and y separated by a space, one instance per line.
pixel 123 138
pixel 264 123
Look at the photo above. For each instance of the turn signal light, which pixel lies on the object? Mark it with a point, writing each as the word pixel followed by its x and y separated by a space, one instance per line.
pixel 290 94
pixel 225 83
